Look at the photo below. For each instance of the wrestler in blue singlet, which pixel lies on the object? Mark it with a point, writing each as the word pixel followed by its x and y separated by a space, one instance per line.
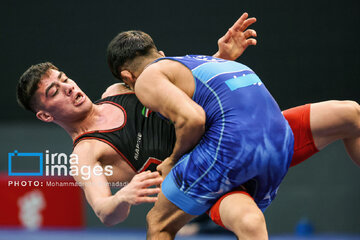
pixel 247 139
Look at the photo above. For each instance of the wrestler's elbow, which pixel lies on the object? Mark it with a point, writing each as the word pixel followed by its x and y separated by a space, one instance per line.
pixel 198 120
pixel 111 216
pixel 103 217
pixel 190 124
pixel 195 118
pixel 199 126
pixel 109 220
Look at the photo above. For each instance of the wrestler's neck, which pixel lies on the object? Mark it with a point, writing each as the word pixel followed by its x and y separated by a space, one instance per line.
pixel 99 117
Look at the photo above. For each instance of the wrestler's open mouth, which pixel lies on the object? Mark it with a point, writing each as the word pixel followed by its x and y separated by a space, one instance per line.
pixel 79 99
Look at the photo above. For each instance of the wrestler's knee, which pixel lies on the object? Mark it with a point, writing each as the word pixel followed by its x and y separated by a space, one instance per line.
pixel 156 229
pixel 251 224
pixel 153 225
pixel 350 112
pixel 248 223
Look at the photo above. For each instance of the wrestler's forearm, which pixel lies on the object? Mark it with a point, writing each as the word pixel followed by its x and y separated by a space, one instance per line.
pixel 112 210
pixel 115 209
pixel 188 134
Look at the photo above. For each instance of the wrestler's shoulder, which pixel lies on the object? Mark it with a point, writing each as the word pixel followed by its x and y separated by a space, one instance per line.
pixel 90 149
pixel 116 89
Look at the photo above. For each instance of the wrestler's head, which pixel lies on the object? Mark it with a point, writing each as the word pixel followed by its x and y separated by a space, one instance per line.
pixel 127 53
pixel 51 95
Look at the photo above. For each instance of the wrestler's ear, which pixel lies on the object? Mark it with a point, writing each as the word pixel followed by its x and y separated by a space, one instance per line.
pixel 128 78
pixel 162 53
pixel 44 116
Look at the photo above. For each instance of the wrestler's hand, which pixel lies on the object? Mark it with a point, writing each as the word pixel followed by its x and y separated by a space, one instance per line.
pixel 165 167
pixel 237 39
pixel 138 191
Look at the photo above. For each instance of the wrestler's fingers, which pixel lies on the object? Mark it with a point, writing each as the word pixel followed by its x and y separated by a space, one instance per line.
pixel 142 174
pixel 146 175
pixel 237 25
pixel 151 182
pixel 226 37
pixel 152 175
pixel 247 23
pixel 146 200
pixel 250 33
pixel 251 41
pixel 149 191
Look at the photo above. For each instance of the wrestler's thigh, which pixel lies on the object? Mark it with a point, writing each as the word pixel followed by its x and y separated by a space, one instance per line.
pixel 166 216
pixel 240 214
pixel 332 120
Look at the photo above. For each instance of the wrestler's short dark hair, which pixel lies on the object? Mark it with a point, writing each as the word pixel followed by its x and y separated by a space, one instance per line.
pixel 125 47
pixel 29 83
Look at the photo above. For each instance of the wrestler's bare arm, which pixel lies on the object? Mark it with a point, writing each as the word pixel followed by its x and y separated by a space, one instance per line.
pixel 112 209
pixel 155 88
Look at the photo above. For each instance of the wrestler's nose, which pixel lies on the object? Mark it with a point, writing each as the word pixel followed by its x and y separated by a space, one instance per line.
pixel 68 89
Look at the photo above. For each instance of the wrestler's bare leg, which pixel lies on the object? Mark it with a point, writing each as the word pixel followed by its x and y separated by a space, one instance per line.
pixel 165 219
pixel 335 120
pixel 240 214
